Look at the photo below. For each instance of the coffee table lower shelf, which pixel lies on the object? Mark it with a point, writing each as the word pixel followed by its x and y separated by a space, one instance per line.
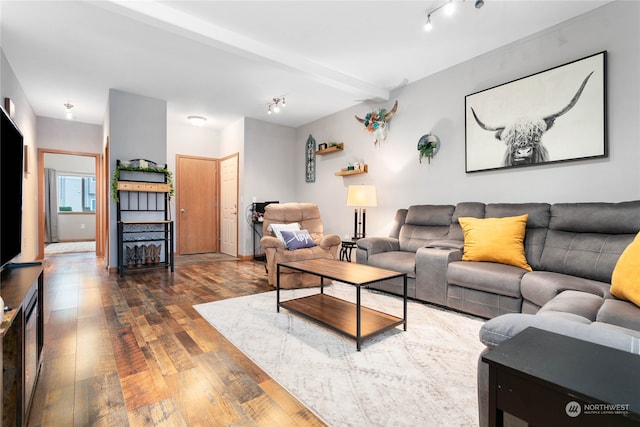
pixel 341 315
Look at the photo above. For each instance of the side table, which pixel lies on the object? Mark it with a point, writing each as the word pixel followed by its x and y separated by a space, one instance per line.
pixel 346 248
pixel 548 379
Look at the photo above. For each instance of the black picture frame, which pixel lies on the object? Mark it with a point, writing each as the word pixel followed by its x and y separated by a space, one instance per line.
pixel 556 115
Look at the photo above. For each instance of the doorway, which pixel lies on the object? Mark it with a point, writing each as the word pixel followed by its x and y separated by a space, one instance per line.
pixel 75 213
pixel 197 204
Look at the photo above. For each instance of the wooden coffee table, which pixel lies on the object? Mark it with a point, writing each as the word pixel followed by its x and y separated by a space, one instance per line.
pixel 352 320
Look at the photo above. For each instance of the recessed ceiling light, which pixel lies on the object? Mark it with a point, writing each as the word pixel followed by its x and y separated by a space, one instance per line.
pixel 197 120
pixel 67 110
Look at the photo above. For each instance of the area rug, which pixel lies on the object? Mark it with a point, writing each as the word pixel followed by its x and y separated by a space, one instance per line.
pixel 425 376
pixel 69 247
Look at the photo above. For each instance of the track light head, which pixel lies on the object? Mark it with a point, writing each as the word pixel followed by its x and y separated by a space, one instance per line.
pixel 479 4
pixel 428 26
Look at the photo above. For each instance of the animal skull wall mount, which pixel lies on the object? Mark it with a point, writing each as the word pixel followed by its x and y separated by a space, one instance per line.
pixel 376 122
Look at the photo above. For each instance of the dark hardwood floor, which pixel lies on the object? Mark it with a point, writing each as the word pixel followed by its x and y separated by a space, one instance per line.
pixel 134 352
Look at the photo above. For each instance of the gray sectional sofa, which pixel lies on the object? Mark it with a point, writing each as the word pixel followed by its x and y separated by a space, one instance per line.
pixel 571 247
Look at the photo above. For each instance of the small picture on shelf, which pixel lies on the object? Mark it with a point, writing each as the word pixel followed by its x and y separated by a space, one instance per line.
pixel 322 146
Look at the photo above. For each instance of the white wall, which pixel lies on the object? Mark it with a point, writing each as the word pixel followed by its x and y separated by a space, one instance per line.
pixel 436 104
pixel 73 227
pixel 25 118
pixel 186 139
pixel 69 135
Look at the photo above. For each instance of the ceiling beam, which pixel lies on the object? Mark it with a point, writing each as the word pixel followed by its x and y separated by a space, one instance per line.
pixel 170 19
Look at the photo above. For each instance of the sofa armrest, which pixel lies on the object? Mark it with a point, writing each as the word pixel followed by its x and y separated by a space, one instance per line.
pixel 540 287
pixel 271 242
pixel 329 241
pixel 446 244
pixel 375 245
pixel 431 273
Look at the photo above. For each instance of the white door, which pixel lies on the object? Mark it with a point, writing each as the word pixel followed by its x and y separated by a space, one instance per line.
pixel 229 205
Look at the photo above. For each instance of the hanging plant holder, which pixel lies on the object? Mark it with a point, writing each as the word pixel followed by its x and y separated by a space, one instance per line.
pixel 428 146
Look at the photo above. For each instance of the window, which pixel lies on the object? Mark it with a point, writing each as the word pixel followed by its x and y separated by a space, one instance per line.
pixel 76 193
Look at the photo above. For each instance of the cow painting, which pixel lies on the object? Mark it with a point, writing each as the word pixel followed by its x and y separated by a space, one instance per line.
pixel 523 137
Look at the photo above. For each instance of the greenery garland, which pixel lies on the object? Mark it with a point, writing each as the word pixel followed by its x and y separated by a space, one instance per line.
pixel 119 168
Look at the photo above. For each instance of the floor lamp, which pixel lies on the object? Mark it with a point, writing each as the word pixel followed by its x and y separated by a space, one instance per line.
pixel 361 196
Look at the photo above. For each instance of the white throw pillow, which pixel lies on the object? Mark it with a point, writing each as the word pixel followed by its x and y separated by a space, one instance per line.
pixel 277 229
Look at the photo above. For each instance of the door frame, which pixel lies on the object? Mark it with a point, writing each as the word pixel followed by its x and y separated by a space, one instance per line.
pixel 100 204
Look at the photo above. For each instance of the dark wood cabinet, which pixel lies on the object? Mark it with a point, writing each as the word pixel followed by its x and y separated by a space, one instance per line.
pixel 22 342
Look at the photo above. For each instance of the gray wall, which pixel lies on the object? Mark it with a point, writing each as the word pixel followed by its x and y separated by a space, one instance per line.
pixel 436 104
pixel 269 171
pixel 137 130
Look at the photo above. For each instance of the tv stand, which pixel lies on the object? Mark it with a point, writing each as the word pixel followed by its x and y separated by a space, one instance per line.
pixel 22 340
pixel 24 264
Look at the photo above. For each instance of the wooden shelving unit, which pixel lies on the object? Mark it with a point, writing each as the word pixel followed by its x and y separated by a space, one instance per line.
pixel 365 169
pixel 145 232
pixel 332 149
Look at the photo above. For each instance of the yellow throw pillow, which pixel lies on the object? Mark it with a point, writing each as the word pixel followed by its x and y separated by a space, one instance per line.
pixel 498 240
pixel 625 280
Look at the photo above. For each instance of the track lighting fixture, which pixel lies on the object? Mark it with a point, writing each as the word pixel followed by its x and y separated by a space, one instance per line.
pixel 448 8
pixel 274 107
pixel 428 26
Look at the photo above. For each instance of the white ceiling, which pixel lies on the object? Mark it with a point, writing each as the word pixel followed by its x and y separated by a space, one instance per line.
pixel 227 59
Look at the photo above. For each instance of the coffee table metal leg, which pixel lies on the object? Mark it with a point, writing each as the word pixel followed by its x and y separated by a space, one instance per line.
pixel 358 319
pixel 405 302
pixel 278 289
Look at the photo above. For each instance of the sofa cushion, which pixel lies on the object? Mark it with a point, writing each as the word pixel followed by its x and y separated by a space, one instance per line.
pixel 495 239
pixel 404 262
pixel 297 239
pixel 423 224
pixel 537 224
pixel 277 229
pixel 540 287
pixel 625 280
pixel 588 255
pixel 499 329
pixel 472 209
pixel 491 277
pixel 582 304
pixel 620 313
pixel 603 218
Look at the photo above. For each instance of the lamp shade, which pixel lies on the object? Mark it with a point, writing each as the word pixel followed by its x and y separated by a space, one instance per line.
pixel 362 195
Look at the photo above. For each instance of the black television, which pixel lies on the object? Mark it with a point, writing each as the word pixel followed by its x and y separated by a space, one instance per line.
pixel 11 174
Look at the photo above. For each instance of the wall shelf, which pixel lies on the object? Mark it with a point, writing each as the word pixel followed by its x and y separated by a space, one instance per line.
pixel 365 169
pixel 332 149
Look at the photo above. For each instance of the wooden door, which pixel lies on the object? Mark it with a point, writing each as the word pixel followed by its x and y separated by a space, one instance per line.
pixel 229 205
pixel 196 204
